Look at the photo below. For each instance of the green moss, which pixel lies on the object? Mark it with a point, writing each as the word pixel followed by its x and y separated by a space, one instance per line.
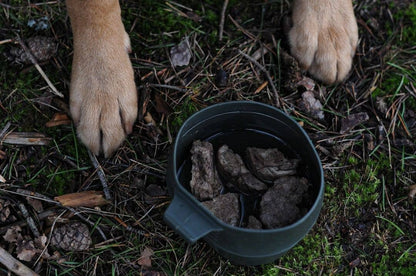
pixel 183 112
pixel 408 16
pixel 362 184
pixel 313 254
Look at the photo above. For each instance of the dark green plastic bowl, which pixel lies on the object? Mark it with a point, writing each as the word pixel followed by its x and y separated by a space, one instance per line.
pixel 188 217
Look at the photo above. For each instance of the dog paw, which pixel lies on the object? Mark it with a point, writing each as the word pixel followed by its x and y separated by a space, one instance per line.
pixel 323 37
pixel 103 97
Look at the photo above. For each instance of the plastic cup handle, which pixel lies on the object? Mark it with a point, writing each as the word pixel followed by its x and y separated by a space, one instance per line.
pixel 189 220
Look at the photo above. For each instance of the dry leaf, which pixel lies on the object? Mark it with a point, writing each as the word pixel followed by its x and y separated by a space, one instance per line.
pixel 13 234
pixel 2 179
pixel 307 83
pixel 59 119
pixel 145 257
pixel 352 121
pixel 312 105
pixel 35 203
pixel 85 199
pixel 26 250
pixel 40 241
pixel 162 106
pixel 181 54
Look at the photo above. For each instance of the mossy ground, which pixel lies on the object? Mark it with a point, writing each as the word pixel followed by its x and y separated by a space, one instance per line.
pixel 367 224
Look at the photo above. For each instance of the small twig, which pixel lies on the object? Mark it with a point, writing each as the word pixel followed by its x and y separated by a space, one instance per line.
pixel 162 86
pixel 29 220
pixel 14 265
pixel 269 78
pixel 101 174
pixel 34 61
pixel 6 41
pixel 224 8
pixel 244 31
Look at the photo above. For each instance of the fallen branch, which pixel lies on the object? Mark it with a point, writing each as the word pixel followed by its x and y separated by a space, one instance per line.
pixel 14 265
pixel 26 138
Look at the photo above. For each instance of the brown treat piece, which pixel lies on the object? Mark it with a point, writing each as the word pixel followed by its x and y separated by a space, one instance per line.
pixel 73 236
pixel 225 207
pixel 277 211
pixel 232 167
pixel 253 223
pixel 270 164
pixel 278 206
pixel 205 182
pixel 291 187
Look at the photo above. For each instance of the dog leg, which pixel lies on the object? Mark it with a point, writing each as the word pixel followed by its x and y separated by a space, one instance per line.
pixel 103 96
pixel 324 37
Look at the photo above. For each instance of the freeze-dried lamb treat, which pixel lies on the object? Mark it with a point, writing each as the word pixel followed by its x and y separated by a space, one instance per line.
pixel 232 167
pixel 225 207
pixel 276 210
pixel 291 187
pixel 278 206
pixel 253 223
pixel 270 164
pixel 205 182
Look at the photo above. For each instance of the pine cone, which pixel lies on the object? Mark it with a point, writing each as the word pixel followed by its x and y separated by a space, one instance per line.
pixel 71 237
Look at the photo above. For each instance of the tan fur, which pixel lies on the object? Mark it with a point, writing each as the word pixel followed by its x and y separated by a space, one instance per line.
pixel 103 97
pixel 324 37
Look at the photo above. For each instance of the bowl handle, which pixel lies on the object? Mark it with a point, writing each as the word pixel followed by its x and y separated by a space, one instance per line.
pixel 188 219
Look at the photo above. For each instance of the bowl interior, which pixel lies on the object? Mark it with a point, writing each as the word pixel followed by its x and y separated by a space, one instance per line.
pixel 261 126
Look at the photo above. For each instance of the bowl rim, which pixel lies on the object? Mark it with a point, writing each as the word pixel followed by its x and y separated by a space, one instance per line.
pixel 318 202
